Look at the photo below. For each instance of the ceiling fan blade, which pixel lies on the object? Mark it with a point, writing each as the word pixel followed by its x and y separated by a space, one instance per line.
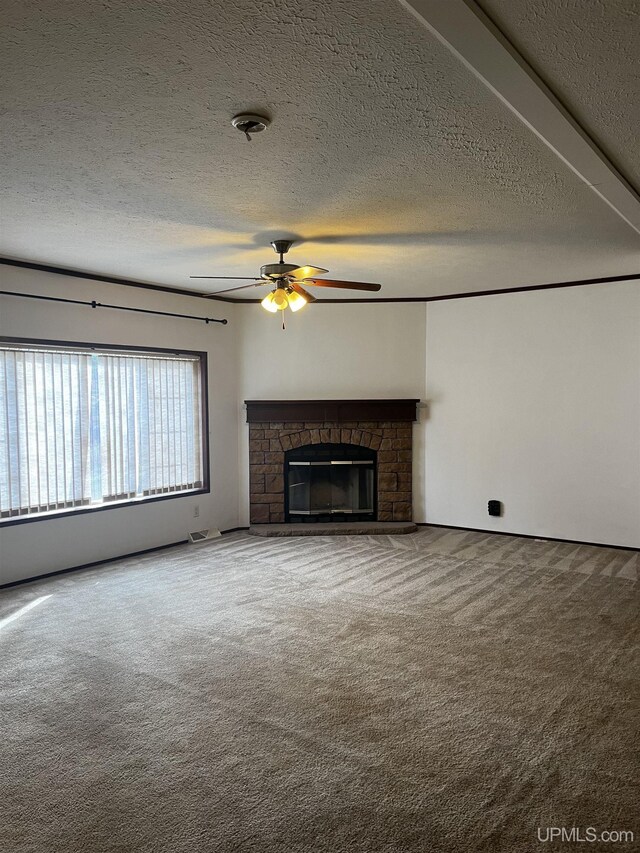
pixel 306 272
pixel 308 296
pixel 343 285
pixel 242 287
pixel 228 277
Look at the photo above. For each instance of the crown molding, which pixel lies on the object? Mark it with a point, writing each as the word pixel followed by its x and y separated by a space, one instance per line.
pixel 383 299
pixel 468 294
pixel 109 279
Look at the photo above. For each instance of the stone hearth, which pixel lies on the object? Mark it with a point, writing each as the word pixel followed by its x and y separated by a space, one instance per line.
pixel 269 439
pixel 357 528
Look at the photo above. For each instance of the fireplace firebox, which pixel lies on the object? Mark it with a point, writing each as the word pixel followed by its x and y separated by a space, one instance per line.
pixel 330 482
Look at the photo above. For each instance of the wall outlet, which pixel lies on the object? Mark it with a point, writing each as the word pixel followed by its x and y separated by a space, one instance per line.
pixel 196 511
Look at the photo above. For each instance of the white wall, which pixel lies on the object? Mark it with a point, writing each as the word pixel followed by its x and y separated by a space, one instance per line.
pixel 534 399
pixel 334 352
pixel 27 550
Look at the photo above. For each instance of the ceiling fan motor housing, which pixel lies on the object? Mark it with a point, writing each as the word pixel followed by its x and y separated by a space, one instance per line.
pixel 276 270
pixel 289 280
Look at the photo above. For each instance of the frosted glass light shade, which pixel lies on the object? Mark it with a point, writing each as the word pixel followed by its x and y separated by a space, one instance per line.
pixel 296 301
pixel 268 303
pixel 280 299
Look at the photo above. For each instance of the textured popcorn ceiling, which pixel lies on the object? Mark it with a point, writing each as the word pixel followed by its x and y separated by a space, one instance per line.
pixel 385 154
pixel 588 53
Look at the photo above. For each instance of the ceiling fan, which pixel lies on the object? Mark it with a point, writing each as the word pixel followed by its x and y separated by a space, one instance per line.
pixel 288 280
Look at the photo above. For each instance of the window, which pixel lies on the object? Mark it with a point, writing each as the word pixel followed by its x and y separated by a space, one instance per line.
pixel 86 427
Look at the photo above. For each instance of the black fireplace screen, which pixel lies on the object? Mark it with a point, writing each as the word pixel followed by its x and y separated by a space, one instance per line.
pixel 330 482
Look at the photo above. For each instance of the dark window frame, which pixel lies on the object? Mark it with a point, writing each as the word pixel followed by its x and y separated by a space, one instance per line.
pixel 137 501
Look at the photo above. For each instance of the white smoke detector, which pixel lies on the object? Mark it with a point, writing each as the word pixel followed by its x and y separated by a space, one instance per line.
pixel 249 123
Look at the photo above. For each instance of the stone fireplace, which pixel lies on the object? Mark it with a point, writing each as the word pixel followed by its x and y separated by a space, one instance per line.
pixel 381 428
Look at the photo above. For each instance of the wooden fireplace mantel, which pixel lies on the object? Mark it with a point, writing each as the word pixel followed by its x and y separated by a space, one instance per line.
pixel 336 411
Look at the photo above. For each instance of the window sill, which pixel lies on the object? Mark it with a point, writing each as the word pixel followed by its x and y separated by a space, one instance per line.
pixel 83 510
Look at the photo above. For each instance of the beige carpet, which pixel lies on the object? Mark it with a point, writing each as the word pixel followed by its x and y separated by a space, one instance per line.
pixel 440 691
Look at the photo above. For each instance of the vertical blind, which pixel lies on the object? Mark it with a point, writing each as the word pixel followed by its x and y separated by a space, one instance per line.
pixel 85 427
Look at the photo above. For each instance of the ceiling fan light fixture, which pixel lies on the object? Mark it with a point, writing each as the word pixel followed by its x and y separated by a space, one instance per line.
pixel 296 301
pixel 280 299
pixel 268 303
pixel 277 300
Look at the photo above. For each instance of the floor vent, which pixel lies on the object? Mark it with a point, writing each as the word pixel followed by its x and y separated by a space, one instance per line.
pixel 200 536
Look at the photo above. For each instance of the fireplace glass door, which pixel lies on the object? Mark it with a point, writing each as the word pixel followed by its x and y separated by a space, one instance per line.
pixel 331 482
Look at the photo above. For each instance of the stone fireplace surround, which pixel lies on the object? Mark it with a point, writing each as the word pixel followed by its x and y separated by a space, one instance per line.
pixel 276 426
